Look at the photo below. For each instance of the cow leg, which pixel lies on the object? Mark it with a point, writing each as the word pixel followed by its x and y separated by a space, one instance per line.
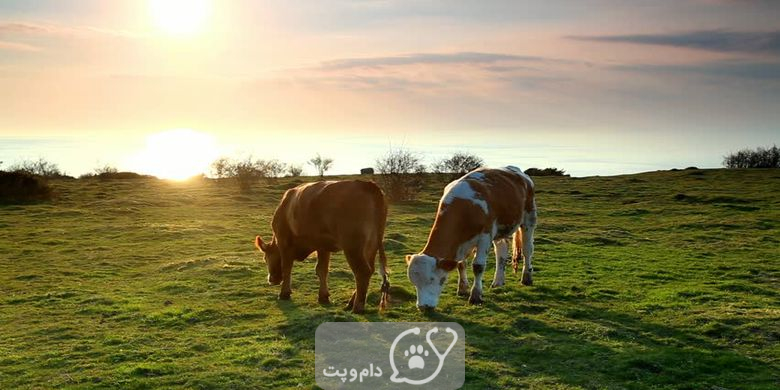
pixel 501 248
pixel 286 290
pixel 463 279
pixel 527 230
pixel 362 270
pixel 323 264
pixel 478 266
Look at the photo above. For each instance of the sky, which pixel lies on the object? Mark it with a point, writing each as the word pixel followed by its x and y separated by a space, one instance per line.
pixel 594 87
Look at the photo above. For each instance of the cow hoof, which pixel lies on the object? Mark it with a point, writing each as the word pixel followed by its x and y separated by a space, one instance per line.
pixel 324 300
pixel 284 296
pixel 496 284
pixel 526 280
pixel 463 291
pixel 357 310
pixel 475 300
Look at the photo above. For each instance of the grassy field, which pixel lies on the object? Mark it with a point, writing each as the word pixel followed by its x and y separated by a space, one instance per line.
pixel 657 280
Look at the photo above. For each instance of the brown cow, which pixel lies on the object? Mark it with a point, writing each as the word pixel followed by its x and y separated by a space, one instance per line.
pixel 325 217
pixel 484 207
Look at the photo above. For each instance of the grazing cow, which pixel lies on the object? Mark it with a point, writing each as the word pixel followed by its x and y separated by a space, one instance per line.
pixel 484 207
pixel 325 217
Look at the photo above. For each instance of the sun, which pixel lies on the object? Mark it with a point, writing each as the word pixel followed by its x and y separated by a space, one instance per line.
pixel 180 17
pixel 177 154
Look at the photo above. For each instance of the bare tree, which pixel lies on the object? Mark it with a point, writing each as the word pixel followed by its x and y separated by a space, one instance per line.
pixel 321 164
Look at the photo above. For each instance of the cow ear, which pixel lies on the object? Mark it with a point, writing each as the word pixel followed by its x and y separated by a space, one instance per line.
pixel 259 244
pixel 408 259
pixel 447 265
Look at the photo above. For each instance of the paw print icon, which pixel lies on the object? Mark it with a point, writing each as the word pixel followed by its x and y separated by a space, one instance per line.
pixel 416 361
pixel 415 355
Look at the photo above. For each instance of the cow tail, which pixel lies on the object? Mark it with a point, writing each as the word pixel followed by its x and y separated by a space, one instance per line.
pixel 529 209
pixel 383 270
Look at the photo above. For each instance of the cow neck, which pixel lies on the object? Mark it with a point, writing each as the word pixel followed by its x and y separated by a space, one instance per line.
pixel 440 244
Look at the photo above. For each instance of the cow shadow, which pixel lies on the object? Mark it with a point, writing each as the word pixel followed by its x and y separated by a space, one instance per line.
pixel 551 337
pixel 596 347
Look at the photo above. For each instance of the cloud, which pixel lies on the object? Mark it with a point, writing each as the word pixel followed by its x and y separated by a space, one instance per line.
pixel 767 42
pixel 469 58
pixel 758 71
pixel 49 29
pixel 15 46
pixel 464 73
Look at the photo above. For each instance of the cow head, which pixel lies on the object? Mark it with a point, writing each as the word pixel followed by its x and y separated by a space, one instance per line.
pixel 428 276
pixel 272 259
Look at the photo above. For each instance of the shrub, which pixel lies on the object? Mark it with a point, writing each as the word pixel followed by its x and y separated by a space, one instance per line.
pixel 271 168
pixel 23 187
pixel 294 170
pixel 122 176
pixel 247 171
pixel 459 164
pixel 222 168
pixel 108 172
pixel 545 172
pixel 39 167
pixel 758 158
pixel 400 174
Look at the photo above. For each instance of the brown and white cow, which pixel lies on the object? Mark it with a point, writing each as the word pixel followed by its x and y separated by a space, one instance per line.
pixel 484 207
pixel 325 217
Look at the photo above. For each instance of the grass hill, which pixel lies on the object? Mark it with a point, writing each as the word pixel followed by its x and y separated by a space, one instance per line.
pixel 656 280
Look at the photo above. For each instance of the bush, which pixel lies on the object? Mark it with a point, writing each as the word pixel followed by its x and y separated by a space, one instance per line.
pixel 545 172
pixel 459 164
pixel 23 187
pixel 758 158
pixel 294 170
pixel 39 167
pixel 247 171
pixel 108 172
pixel 122 176
pixel 401 175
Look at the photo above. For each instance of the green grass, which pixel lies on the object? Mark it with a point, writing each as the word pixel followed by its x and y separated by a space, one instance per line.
pixel 658 280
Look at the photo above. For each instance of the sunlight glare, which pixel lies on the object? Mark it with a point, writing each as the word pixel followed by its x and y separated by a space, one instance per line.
pixel 177 154
pixel 180 17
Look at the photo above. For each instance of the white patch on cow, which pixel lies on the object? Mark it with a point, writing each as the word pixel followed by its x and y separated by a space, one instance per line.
pixel 483 247
pixel 519 172
pixel 461 189
pixel 463 278
pixel 465 248
pixel 427 278
pixel 476 176
pixel 501 248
